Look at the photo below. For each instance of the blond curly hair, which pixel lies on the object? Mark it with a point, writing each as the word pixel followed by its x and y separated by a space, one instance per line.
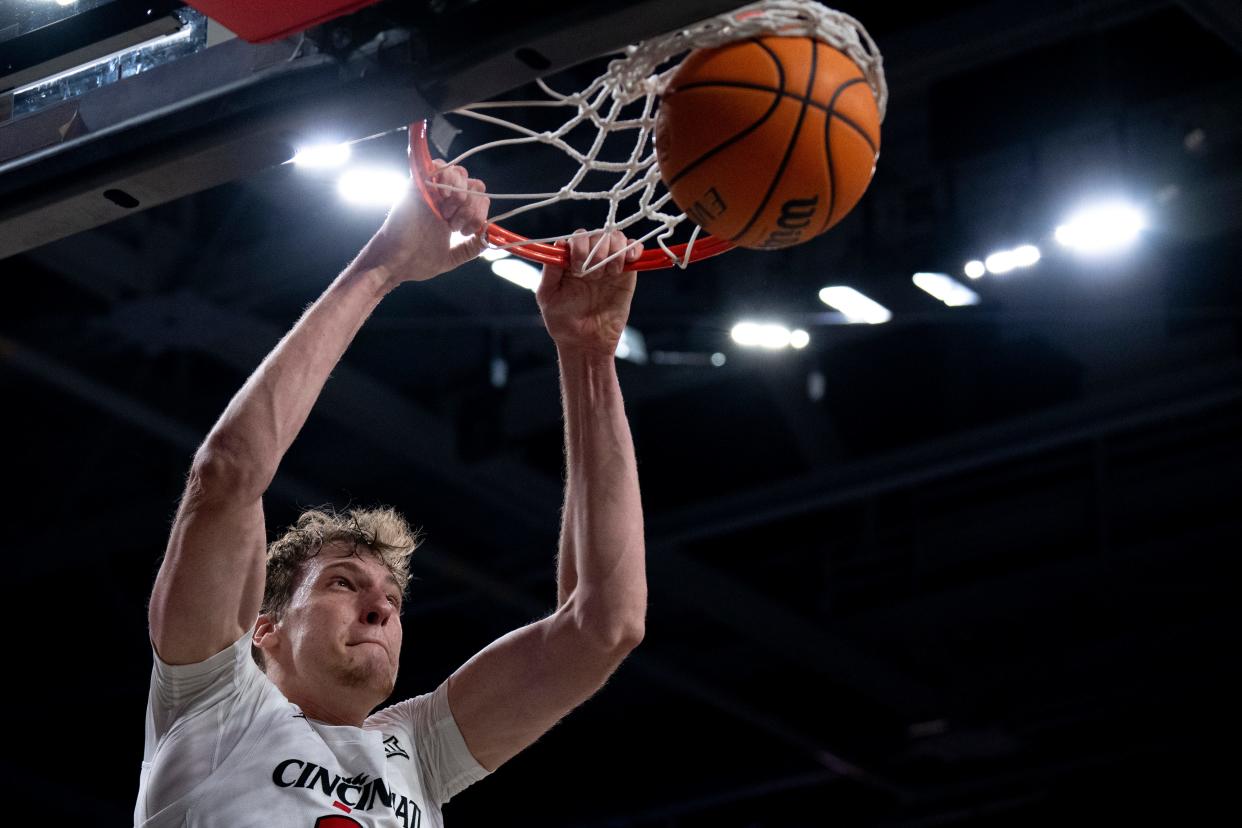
pixel 381 531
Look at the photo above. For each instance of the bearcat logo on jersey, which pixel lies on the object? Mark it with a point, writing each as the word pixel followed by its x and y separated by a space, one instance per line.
pixel 355 793
pixel 393 748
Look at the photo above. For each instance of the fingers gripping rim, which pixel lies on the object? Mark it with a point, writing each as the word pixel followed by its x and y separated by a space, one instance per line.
pixel 652 258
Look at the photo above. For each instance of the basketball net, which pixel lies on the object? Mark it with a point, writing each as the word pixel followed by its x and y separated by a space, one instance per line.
pixel 638 78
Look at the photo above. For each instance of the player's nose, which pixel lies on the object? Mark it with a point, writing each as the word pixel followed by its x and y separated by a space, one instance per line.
pixel 377 609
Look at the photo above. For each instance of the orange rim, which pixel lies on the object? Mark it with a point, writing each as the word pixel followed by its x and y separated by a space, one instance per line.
pixel 652 258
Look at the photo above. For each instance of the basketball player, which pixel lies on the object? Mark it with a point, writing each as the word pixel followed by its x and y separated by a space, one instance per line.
pixel 268 665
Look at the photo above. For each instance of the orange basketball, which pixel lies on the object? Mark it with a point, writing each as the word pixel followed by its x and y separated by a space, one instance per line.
pixel 767 142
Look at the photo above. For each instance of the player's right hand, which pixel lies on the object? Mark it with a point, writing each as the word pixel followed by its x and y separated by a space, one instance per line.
pixel 414 244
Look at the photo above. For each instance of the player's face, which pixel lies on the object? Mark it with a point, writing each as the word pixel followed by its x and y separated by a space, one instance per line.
pixel 343 625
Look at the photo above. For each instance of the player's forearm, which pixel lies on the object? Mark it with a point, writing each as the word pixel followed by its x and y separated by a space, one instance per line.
pixel 566 569
pixel 603 555
pixel 264 417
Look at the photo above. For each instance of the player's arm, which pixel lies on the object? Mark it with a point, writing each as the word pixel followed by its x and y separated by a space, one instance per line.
pixel 210 583
pixel 518 687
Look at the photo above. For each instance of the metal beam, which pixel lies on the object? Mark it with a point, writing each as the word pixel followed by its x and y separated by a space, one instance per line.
pixel 979 35
pixel 1154 402
pixel 1222 18
pixel 791 636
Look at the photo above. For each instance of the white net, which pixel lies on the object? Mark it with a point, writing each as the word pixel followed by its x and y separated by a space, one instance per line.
pixel 623 102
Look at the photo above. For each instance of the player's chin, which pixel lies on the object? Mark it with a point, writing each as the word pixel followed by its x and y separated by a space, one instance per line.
pixel 364 664
pixel 384 676
pixel 383 680
pixel 380 678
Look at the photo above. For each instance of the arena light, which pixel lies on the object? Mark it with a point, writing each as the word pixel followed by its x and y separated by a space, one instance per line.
pixel 521 273
pixel 999 262
pixel 371 186
pixel 489 254
pixel 768 335
pixel 494 254
pixel 1102 228
pixel 1026 255
pixel 632 346
pixel 855 306
pixel 320 156
pixel 975 269
pixel 948 290
pixel 1004 261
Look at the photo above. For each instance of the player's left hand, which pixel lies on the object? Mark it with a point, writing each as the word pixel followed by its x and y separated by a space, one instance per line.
pixel 588 311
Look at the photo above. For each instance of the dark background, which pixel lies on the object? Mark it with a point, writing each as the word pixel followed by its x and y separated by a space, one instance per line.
pixel 981 580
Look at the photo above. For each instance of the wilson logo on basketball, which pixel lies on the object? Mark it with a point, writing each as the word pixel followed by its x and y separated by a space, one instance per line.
pixel 707 207
pixel 796 215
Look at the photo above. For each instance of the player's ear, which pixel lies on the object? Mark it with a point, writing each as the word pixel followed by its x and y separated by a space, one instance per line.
pixel 266 633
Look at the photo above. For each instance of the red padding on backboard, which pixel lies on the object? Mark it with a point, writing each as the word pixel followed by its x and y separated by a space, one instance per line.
pixel 261 20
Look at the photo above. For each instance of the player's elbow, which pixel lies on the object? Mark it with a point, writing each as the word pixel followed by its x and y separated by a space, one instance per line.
pixel 614 635
pixel 225 468
pixel 630 636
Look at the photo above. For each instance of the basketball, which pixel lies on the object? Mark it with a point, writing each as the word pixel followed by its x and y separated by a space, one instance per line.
pixel 767 142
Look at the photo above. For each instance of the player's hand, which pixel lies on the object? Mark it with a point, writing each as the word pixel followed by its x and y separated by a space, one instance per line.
pixel 589 311
pixel 414 243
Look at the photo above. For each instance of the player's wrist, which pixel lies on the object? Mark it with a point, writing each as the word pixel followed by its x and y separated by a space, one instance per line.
pixel 586 355
pixel 376 277
pixel 389 266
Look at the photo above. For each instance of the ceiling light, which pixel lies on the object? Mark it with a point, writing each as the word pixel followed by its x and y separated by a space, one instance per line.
pixel 495 254
pixel 632 346
pixel 372 187
pixel 772 336
pixel 1102 228
pixel 855 306
pixel 320 156
pixel 521 273
pixel 1000 262
pixel 759 335
pixel 1003 261
pixel 975 268
pixel 1026 255
pixel 948 290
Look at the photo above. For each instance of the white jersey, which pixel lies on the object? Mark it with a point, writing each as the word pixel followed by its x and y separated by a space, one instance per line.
pixel 225 748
